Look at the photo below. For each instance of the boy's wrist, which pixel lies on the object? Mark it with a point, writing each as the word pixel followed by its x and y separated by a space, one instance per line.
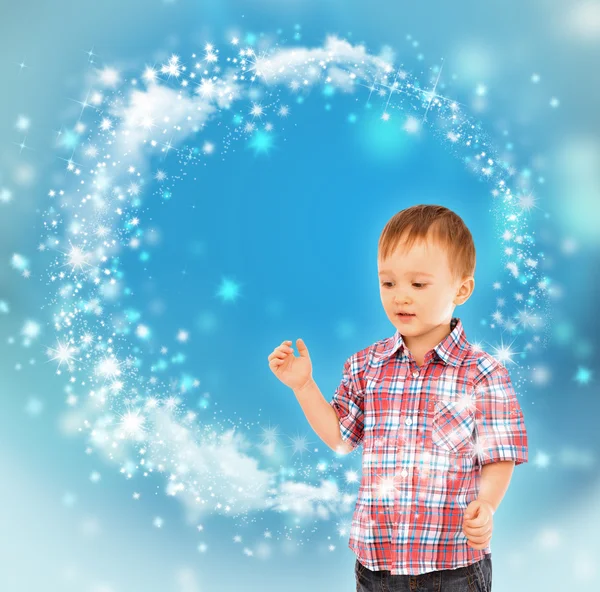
pixel 307 384
pixel 489 503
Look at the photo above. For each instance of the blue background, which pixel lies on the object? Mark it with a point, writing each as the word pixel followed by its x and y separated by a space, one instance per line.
pixel 298 229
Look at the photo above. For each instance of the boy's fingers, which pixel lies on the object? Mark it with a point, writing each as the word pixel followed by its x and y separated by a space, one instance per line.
pixel 477 528
pixel 475 521
pixel 474 532
pixel 479 540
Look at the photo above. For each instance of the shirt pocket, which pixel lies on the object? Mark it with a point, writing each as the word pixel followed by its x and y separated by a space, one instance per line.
pixel 452 427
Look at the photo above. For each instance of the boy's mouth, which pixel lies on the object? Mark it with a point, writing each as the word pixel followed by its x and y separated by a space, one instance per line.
pixel 405 318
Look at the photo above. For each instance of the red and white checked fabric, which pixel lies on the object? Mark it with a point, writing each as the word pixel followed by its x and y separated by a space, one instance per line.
pixel 426 432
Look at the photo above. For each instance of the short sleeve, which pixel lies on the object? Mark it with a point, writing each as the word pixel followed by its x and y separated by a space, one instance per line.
pixel 348 402
pixel 500 426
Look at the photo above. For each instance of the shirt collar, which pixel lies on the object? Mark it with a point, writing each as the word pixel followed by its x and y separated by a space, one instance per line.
pixel 451 349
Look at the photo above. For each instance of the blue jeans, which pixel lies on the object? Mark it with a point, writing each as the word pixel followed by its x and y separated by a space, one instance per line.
pixel 476 577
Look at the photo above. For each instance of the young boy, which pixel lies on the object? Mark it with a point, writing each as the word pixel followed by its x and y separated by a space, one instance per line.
pixel 439 421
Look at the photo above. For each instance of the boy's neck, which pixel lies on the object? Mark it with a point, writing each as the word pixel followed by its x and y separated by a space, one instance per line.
pixel 419 345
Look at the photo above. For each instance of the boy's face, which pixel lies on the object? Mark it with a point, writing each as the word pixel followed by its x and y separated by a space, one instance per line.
pixel 419 281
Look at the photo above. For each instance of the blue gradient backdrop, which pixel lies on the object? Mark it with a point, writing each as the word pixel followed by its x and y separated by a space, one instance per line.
pixel 298 229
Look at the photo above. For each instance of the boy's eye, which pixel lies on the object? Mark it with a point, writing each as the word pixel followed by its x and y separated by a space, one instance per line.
pixel 415 284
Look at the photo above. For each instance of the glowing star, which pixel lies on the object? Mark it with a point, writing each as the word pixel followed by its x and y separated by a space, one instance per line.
pixel 210 56
pixel 151 403
pixel 19 262
pixel 351 476
pixel 173 67
pixel 466 401
pixel 108 368
pixel 583 376
pixel 229 291
pixel 132 424
pixel 77 258
pixel 503 354
pixel 133 189
pixel 63 353
pixel 147 122
pixel 542 460
pixel 270 435
pixel 116 387
pixel 91 151
pixel 149 74
pixel 34 406
pixel 527 202
pixel 31 330
pixel 479 450
pixel 261 142
pixel 22 123
pixel 257 110
pixel 497 316
pixel 412 125
pixel 206 88
pixel 109 77
pixel 386 486
pixel 143 332
pixel 528 319
pixel 299 444
pixel 5 195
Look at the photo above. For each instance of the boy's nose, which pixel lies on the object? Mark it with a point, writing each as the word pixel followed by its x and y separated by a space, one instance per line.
pixel 401 300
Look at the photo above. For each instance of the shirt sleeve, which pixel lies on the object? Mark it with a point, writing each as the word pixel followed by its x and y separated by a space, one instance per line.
pixel 501 433
pixel 348 402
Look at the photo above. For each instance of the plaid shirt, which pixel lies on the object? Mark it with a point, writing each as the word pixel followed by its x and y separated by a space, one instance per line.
pixel 426 432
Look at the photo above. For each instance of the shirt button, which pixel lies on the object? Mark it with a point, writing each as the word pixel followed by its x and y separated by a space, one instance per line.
pixel 408 421
pixel 415 374
pixel 404 473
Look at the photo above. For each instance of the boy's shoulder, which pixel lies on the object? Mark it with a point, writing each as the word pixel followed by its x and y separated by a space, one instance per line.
pixel 370 353
pixel 484 363
pixel 378 347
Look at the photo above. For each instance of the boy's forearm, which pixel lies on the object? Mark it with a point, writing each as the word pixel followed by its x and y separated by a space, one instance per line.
pixel 495 478
pixel 321 416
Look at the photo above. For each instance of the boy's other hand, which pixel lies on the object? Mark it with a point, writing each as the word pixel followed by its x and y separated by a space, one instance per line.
pixel 478 522
pixel 293 371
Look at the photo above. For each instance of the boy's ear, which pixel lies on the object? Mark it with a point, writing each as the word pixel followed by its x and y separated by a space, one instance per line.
pixel 465 290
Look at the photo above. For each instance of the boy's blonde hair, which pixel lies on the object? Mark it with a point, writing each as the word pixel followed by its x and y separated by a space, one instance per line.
pixel 438 223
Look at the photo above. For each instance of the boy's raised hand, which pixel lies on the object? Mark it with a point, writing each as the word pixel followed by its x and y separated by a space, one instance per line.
pixel 293 371
pixel 478 523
